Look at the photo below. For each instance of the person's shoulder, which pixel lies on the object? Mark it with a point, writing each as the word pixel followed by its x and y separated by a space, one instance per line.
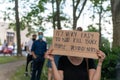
pixel 44 42
pixel 36 41
pixel 91 61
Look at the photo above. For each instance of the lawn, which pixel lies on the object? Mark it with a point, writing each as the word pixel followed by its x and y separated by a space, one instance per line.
pixel 19 74
pixel 7 59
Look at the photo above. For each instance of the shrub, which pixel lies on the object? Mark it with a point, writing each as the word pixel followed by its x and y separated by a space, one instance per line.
pixel 109 64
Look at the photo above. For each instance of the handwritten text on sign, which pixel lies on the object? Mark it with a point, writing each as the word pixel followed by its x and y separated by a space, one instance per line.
pixel 68 42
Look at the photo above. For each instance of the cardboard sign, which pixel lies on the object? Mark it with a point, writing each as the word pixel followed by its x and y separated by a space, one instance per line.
pixel 75 43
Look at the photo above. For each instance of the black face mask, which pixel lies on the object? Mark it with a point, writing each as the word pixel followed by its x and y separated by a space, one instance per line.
pixel 33 39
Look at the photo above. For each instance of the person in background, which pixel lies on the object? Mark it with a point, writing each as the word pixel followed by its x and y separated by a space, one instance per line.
pixel 38 50
pixel 5 44
pixel 10 48
pixel 25 46
pixel 1 49
pixel 28 49
pixel 76 68
pixel 50 72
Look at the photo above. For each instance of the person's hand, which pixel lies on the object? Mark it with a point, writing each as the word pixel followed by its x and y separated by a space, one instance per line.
pixel 101 56
pixel 49 55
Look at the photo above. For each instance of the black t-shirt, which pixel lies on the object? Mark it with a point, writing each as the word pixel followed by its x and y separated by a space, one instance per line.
pixel 75 72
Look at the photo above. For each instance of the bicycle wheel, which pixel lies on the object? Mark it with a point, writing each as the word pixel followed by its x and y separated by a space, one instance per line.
pixel 30 68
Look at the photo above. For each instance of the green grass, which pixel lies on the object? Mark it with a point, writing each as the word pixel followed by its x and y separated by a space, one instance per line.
pixel 19 74
pixel 7 59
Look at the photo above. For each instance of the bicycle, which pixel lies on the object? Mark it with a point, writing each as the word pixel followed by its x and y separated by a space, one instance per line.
pixel 30 68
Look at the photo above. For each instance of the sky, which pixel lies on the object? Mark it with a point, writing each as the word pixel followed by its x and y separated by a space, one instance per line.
pixel 84 20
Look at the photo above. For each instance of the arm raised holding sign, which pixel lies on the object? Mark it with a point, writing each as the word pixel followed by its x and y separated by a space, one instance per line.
pixel 58 75
pixel 97 74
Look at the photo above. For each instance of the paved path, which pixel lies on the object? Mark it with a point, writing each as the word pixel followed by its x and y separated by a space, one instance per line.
pixel 6 70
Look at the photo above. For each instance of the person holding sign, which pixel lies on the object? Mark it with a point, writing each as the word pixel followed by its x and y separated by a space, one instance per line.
pixel 76 68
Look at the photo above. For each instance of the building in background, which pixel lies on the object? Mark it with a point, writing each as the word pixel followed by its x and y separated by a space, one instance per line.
pixel 10 35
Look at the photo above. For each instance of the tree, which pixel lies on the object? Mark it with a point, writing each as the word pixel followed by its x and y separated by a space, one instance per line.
pixel 58 13
pixel 19 24
pixel 110 62
pixel 27 18
pixel 115 9
pixel 17 29
pixel 36 18
pixel 100 10
pixel 76 10
pixel 57 16
pixel 53 14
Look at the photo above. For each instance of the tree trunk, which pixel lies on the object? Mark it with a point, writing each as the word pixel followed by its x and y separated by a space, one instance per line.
pixel 75 7
pixel 74 16
pixel 100 28
pixel 17 29
pixel 58 14
pixel 115 8
pixel 53 14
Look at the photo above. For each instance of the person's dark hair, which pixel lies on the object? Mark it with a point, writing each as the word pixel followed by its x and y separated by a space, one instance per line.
pixel 79 29
pixel 34 35
pixel 40 33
